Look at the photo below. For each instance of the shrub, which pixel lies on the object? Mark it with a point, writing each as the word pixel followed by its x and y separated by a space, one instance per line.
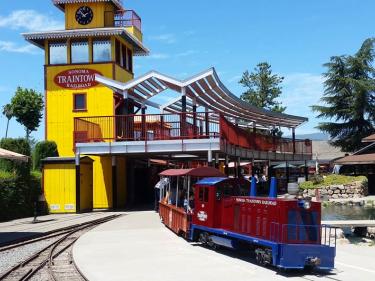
pixel 19 146
pixel 43 150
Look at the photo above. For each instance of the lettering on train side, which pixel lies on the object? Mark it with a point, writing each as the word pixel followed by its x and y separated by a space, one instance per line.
pixel 256 201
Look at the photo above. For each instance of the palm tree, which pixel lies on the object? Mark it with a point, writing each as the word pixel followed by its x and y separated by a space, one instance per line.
pixel 8 112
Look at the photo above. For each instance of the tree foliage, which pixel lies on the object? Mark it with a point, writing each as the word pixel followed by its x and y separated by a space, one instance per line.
pixel 27 106
pixel 348 100
pixel 262 88
pixel 43 150
pixel 8 113
pixel 21 146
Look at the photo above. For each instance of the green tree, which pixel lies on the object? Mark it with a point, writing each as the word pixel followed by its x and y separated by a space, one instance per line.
pixel 262 88
pixel 27 107
pixel 8 113
pixel 348 98
pixel 43 150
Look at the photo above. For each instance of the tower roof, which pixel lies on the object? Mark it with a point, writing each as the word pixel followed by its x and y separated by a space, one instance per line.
pixel 38 38
pixel 61 3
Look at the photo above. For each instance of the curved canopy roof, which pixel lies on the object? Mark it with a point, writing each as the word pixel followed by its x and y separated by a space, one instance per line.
pixel 204 89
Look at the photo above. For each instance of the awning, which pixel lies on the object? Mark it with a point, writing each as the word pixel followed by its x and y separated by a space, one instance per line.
pixel 361 159
pixel 196 172
pixel 10 155
pixel 204 89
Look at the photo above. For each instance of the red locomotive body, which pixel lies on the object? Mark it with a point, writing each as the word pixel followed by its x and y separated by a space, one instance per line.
pixel 286 233
pixel 261 217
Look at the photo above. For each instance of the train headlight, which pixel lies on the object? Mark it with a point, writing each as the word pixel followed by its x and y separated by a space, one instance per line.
pixel 307 204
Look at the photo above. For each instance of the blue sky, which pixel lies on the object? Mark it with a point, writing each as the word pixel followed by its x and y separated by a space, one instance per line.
pixel 185 37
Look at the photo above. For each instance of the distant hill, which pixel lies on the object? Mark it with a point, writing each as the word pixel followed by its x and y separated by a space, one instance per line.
pixel 313 136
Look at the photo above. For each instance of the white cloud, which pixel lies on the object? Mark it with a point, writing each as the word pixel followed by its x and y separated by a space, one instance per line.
pixel 235 78
pixel 186 53
pixel 30 20
pixel 168 38
pixel 11 47
pixel 158 56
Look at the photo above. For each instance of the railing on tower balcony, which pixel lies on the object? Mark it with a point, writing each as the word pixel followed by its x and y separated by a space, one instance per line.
pixel 125 18
pixel 199 125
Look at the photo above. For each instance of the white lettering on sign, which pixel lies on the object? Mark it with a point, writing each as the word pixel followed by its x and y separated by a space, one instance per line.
pixel 77 78
pixel 202 216
pixel 256 201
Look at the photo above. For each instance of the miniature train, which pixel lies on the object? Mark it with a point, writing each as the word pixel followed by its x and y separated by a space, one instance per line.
pixel 285 233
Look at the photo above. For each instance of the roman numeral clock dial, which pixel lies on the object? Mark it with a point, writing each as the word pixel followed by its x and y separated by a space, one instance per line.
pixel 84 15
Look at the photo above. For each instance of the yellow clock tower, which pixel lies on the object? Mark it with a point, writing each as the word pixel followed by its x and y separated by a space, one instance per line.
pixel 100 37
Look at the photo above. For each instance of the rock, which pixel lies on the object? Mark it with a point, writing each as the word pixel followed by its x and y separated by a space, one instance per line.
pixel 341 186
pixel 335 196
pixel 337 191
pixel 330 192
pixel 344 196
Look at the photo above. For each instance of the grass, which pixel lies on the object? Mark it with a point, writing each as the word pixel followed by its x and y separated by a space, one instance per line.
pixel 332 180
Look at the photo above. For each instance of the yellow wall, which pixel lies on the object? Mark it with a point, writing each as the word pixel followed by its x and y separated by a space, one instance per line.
pixel 136 32
pixel 59 182
pixel 59 105
pixel 99 10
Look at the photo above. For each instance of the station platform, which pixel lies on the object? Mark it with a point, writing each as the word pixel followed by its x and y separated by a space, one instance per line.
pixel 137 247
pixel 24 228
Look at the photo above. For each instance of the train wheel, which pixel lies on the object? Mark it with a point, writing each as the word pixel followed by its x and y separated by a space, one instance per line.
pixel 203 238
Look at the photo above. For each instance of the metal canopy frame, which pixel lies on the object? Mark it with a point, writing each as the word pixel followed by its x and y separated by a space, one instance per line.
pixel 204 89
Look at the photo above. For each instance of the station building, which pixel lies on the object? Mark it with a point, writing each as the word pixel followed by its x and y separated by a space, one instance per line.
pixel 110 146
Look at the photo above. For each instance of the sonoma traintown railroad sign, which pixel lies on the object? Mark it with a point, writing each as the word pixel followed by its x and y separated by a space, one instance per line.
pixel 77 78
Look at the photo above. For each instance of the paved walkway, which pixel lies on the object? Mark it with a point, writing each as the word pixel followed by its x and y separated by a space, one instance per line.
pixel 137 247
pixel 21 228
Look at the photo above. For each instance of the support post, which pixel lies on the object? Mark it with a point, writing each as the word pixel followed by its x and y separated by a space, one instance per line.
pixel 195 128
pixel 143 126
pixel 183 130
pixel 217 160
pixel 209 157
pixel 287 172
pixel 207 119
pixel 306 170
pixel 114 183
pixel 294 140
pixel 226 165
pixel 238 167
pixel 253 187
pixel 273 188
pixel 78 183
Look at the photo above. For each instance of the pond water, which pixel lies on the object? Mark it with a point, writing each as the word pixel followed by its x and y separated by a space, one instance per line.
pixel 346 212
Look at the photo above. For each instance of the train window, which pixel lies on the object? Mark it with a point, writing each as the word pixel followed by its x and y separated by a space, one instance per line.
pixel 201 194
pixel 206 194
pixel 243 189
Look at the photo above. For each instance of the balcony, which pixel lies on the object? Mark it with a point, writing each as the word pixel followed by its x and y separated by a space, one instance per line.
pixel 125 18
pixel 181 126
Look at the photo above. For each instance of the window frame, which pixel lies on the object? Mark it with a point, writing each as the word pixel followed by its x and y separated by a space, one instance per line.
pixel 67 47
pixel 88 51
pixel 110 49
pixel 75 109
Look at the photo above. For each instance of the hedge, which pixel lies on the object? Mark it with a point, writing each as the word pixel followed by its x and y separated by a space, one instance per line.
pixel 331 180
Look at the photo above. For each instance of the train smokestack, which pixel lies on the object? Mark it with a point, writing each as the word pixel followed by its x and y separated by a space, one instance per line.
pixel 273 188
pixel 253 187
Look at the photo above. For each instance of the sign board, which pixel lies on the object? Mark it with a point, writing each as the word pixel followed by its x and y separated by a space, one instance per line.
pixel 77 79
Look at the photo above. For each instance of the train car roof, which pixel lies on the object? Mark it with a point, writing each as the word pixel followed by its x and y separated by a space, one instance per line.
pixel 211 181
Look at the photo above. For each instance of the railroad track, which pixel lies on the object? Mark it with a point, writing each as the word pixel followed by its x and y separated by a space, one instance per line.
pixel 54 261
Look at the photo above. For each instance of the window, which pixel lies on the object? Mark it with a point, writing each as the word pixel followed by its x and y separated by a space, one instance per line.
pixel 203 194
pixel 79 102
pixel 123 56
pixel 101 50
pixel 118 53
pixel 130 61
pixel 58 53
pixel 80 52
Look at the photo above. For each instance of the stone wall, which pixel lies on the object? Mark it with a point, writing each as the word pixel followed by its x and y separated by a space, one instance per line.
pixel 356 189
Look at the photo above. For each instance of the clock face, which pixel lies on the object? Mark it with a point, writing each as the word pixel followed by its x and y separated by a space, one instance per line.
pixel 84 15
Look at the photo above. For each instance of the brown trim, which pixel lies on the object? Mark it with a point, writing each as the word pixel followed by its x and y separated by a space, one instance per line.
pixel 85 102
pixel 45 103
pixel 83 64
